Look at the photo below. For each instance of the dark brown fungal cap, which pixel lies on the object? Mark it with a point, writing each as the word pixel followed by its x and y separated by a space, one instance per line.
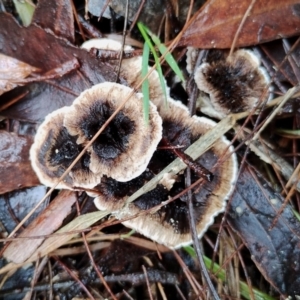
pixel 131 68
pixel 112 194
pixel 170 225
pixel 124 148
pixel 234 84
pixel 53 151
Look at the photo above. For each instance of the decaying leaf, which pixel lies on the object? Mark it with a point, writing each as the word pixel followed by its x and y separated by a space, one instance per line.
pixel 49 220
pixel 48 14
pixel 274 246
pixel 15 205
pixel 45 97
pixel 217 22
pixel 15 166
pixel 69 231
pixel 12 71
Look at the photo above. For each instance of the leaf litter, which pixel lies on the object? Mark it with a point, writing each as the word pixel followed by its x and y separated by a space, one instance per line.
pixel 277 252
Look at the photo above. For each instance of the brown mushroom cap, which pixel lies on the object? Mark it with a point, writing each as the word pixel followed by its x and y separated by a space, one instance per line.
pixel 131 68
pixel 170 225
pixel 234 83
pixel 53 151
pixel 111 194
pixel 191 59
pixel 124 148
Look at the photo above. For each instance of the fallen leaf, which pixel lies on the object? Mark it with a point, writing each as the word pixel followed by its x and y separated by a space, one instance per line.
pixel 15 166
pixel 66 233
pixel 274 246
pixel 14 206
pixel 48 14
pixel 31 45
pixel 46 223
pixel 12 71
pixel 217 22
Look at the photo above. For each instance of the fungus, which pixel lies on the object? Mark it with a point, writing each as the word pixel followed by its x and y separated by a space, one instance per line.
pixel 53 151
pixel 234 83
pixel 191 59
pixel 105 44
pixel 130 68
pixel 124 148
pixel 170 224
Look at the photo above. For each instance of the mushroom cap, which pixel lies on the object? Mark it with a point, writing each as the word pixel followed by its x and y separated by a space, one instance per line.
pixel 124 148
pixel 53 151
pixel 131 68
pixel 191 58
pixel 170 225
pixel 234 83
pixel 111 194
pixel 104 44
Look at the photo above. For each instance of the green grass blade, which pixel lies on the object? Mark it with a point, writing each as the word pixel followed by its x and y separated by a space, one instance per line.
pixel 25 11
pixel 145 85
pixel 143 31
pixel 220 273
pixel 168 56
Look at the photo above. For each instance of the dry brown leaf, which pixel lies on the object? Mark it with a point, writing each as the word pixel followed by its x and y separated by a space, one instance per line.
pixel 19 250
pixel 217 22
pixel 78 224
pixel 15 166
pixel 48 15
pixel 11 71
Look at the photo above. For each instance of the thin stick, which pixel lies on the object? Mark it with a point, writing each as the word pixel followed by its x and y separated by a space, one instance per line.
pixel 286 97
pixel 241 26
pixel 123 41
pixel 147 282
pixel 195 238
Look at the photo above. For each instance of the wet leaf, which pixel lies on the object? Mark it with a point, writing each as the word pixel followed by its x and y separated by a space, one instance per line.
pixel 274 246
pixel 15 166
pixel 71 230
pixel 48 14
pixel 14 206
pixel 217 22
pixel 31 45
pixel 45 224
pixel 12 71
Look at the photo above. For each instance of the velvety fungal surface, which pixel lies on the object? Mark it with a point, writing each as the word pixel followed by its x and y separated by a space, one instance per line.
pixel 234 83
pixel 175 214
pixel 114 139
pixel 54 150
pixel 63 149
pixel 170 224
pixel 113 194
pixel 231 84
pixel 124 148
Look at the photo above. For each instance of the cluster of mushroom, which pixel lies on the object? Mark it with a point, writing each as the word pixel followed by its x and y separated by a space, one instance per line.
pixel 122 151
pixel 129 153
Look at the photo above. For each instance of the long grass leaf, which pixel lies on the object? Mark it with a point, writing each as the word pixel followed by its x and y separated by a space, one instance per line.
pixel 168 56
pixel 143 31
pixel 145 85
pixel 221 274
